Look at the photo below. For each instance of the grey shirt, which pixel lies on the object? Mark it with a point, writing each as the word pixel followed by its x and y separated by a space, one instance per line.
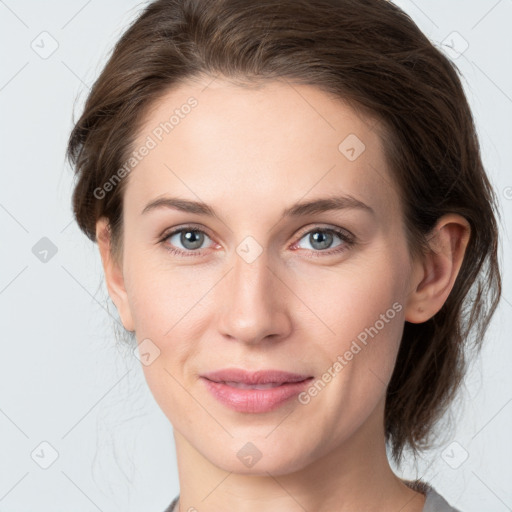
pixel 433 502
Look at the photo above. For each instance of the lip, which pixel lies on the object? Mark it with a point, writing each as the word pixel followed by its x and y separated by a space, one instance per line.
pixel 231 387
pixel 258 377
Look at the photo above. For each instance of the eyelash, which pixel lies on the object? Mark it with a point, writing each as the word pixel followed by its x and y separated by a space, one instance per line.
pixel 347 238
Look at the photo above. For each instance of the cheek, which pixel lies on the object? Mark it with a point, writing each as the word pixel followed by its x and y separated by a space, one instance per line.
pixel 159 295
pixel 163 304
pixel 347 301
pixel 362 304
pixel 172 307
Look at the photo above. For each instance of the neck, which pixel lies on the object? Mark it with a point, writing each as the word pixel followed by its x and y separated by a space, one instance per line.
pixel 355 476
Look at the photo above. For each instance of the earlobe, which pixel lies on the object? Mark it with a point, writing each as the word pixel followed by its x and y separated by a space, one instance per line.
pixel 434 276
pixel 113 274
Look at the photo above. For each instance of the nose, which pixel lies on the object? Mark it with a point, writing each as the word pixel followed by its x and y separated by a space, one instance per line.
pixel 254 302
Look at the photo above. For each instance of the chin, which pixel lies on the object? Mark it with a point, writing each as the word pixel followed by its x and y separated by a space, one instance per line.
pixel 259 456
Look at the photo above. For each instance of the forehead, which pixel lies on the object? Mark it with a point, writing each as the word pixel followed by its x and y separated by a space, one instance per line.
pixel 222 142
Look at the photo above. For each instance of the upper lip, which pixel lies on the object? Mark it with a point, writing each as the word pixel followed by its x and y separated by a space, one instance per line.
pixel 257 377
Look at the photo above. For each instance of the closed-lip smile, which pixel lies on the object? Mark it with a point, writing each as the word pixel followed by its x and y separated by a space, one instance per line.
pixel 254 392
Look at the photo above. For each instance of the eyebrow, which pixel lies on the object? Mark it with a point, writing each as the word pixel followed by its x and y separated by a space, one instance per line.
pixel 297 210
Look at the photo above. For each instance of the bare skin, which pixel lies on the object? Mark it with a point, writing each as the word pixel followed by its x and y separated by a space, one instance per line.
pixel 251 153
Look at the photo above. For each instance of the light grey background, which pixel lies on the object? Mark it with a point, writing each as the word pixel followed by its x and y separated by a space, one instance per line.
pixel 63 378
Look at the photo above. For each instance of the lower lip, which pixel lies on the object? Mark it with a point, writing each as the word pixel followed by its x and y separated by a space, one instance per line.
pixel 254 400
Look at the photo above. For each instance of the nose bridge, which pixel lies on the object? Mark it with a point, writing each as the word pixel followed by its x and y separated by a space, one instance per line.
pixel 253 307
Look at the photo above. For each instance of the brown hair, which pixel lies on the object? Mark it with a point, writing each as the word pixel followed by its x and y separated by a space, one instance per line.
pixel 366 52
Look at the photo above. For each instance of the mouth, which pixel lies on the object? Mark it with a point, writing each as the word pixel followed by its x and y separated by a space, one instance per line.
pixel 259 377
pixel 257 392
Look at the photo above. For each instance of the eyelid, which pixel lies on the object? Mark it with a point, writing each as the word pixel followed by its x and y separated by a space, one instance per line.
pixel 176 229
pixel 336 229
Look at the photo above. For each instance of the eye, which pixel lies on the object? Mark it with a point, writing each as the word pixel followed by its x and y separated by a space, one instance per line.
pixel 185 241
pixel 189 241
pixel 323 240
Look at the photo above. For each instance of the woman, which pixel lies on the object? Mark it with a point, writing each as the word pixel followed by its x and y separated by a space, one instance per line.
pixel 295 224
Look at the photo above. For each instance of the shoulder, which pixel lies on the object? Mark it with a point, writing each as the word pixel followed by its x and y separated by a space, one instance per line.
pixel 170 508
pixel 434 502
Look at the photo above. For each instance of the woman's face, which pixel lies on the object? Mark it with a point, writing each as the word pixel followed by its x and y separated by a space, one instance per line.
pixel 256 282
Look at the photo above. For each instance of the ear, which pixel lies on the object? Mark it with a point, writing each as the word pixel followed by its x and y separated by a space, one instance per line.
pixel 113 274
pixel 434 276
